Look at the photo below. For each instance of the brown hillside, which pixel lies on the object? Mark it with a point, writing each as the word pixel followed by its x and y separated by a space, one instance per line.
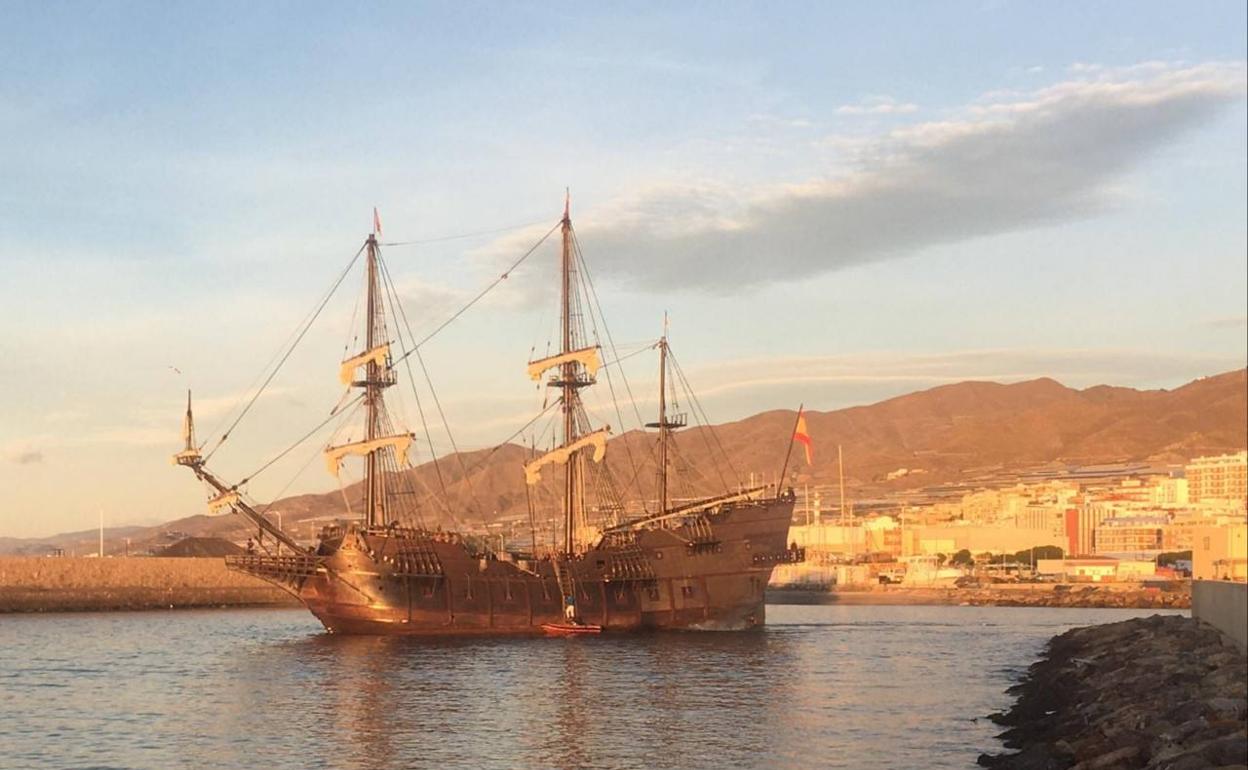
pixel 943 431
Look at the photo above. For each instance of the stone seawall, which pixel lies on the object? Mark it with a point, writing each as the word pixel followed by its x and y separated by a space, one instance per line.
pixel 1164 692
pixel 37 584
pixel 1119 595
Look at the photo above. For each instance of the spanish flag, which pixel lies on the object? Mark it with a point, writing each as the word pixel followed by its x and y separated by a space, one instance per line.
pixel 803 435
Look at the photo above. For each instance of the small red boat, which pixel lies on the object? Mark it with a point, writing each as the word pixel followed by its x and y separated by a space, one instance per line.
pixel 571 629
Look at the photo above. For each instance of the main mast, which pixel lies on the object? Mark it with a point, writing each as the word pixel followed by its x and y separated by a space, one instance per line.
pixel 574 368
pixel 569 383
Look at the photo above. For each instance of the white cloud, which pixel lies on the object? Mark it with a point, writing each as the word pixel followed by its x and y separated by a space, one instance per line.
pixel 1007 163
pixel 878 105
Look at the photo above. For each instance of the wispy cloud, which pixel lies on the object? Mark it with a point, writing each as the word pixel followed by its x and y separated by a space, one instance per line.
pixel 878 105
pixel 24 456
pixel 1006 163
pixel 1228 322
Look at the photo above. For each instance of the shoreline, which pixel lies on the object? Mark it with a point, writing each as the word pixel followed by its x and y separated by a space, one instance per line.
pixel 40 584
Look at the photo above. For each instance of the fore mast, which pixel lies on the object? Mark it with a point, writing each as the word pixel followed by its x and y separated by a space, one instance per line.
pixel 384 450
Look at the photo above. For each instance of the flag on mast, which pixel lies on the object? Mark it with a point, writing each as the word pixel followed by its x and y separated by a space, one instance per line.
pixel 802 435
pixel 376 222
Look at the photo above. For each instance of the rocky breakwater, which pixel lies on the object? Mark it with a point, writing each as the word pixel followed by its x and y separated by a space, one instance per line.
pixel 1164 692
pixel 1173 596
pixel 37 584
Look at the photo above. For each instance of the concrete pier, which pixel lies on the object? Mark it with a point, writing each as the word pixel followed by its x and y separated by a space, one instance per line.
pixel 1223 605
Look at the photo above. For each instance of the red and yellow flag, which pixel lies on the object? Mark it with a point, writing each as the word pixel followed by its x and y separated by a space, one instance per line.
pixel 803 435
pixel 376 222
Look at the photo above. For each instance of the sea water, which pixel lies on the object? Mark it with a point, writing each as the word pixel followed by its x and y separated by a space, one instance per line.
pixel 821 686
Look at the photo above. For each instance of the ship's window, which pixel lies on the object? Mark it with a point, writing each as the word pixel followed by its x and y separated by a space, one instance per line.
pixel 653 593
pixel 658 554
pixel 507 591
pixel 686 590
pixel 601 564
pixel 427 589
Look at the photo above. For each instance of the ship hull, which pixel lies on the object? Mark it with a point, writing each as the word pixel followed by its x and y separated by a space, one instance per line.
pixel 708 573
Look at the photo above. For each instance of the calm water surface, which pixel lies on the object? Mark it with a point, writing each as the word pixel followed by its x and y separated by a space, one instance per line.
pixel 854 687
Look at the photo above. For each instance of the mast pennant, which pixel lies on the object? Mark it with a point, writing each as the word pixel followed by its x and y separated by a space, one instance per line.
pixel 802 435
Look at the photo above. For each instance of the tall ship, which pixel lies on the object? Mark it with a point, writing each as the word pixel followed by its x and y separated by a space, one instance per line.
pixel 679 564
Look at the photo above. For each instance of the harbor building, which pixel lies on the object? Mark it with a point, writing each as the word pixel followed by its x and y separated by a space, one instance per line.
pixel 1224 477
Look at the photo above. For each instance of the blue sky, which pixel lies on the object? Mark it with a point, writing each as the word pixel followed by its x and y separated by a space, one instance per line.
pixel 837 203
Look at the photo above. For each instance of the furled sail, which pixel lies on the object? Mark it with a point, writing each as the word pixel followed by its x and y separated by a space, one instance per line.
pixel 223 500
pixel 376 355
pixel 401 443
pixel 597 439
pixel 587 357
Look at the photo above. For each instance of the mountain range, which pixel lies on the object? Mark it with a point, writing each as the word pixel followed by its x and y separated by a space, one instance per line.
pixel 943 433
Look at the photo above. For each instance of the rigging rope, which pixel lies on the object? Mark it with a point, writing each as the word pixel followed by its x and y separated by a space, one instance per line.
pixel 441 238
pixel 298 338
pixel 305 437
pixel 459 458
pixel 475 299
pixel 317 452
pixel 411 379
pixel 596 304
pixel 704 419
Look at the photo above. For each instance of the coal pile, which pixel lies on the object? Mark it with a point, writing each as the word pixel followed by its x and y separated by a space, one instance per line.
pixel 202 546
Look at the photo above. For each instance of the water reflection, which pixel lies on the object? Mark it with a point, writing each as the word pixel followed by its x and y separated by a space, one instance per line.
pixel 846 687
pixel 384 702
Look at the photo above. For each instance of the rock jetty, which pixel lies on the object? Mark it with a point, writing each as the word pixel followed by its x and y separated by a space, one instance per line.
pixel 39 584
pixel 1164 692
pixel 1177 595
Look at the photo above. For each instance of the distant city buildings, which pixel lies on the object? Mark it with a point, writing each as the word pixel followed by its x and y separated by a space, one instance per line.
pixel 1111 522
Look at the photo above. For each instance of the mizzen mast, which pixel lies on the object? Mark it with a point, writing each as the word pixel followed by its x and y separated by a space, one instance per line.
pixel 664 425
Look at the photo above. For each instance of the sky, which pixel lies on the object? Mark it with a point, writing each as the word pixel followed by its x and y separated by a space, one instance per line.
pixel 834 203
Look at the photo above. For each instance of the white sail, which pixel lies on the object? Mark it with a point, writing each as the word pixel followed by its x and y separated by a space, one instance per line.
pixel 376 355
pixel 597 439
pixel 587 357
pixel 400 443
